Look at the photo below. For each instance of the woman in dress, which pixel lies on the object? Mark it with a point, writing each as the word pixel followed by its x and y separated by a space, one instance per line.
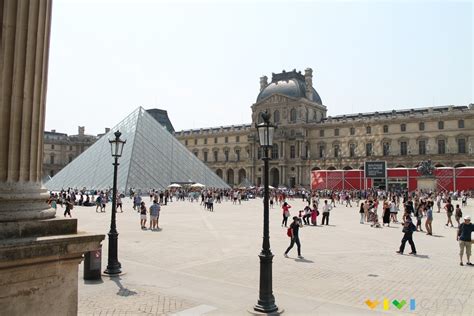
pixel 386 214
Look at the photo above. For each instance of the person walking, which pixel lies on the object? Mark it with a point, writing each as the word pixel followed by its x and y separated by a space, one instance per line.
pixel 458 214
pixel 408 229
pixel 307 215
pixel 286 213
pixel 69 207
pixel 294 235
pixel 465 241
pixel 362 212
pixel 119 202
pixel 449 212
pixel 143 211
pixel 326 210
pixel 429 218
pixel 386 214
pixel 154 215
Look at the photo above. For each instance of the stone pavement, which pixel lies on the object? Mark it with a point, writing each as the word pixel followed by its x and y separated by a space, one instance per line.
pixel 206 263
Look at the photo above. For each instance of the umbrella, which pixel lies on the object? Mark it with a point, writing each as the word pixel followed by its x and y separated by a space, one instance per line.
pixel 197 185
pixel 174 185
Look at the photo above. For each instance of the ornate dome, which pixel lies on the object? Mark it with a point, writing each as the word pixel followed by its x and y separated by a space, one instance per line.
pixel 291 84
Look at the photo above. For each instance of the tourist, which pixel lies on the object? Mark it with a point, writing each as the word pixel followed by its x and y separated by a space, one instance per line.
pixel 119 202
pixel 98 203
pixel 449 212
pixel 464 237
pixel 429 218
pixel 326 210
pixel 393 211
pixel 137 201
pixel 458 214
pixel 143 211
pixel 314 215
pixel 294 235
pixel 362 212
pixel 69 207
pixel 286 213
pixel 210 203
pixel 154 215
pixel 419 216
pixel 366 210
pixel 307 215
pixel 438 202
pixel 386 214
pixel 408 229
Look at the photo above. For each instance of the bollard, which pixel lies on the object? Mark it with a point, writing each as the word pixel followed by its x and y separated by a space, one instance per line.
pixel 93 265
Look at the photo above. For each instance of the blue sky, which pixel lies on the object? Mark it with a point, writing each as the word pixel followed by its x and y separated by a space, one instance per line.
pixel 201 61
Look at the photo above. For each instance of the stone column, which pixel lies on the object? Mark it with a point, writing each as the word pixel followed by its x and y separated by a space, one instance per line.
pixel 23 77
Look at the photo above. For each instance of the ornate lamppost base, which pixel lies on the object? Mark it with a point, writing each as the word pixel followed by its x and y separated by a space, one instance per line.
pixel 257 311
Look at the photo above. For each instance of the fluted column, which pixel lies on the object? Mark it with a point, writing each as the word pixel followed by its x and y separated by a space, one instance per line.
pixel 23 78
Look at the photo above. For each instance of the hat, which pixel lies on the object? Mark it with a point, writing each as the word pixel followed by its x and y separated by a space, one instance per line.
pixel 468 218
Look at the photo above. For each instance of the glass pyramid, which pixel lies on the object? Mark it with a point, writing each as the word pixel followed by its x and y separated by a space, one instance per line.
pixel 151 158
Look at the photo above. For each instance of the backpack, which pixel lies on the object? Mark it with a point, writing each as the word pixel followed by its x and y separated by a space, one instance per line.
pixel 289 232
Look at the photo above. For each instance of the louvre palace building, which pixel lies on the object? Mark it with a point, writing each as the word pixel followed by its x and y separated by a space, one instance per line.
pixel 307 139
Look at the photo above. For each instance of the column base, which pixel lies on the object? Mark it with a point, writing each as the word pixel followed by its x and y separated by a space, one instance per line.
pixel 39 266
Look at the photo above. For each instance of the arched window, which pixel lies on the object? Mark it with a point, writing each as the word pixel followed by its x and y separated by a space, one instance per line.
pixel 293 115
pixel 276 116
pixel 275 151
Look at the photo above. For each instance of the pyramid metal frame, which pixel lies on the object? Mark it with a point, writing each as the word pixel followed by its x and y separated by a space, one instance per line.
pixel 151 158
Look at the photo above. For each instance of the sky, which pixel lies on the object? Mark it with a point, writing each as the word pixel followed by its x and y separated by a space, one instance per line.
pixel 201 61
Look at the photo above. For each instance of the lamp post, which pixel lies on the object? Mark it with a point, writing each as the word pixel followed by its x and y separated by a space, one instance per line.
pixel 266 300
pixel 113 265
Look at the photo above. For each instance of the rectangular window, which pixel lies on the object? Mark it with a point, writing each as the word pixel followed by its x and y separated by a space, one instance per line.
pixel 421 126
pixel 275 151
pixel 51 159
pixel 336 132
pixel 385 128
pixel 403 127
pixel 368 149
pixel 237 139
pixel 215 140
pixel 441 146
pixel 292 152
pixel 186 142
pixel 226 154
pixel 336 151
pixel 368 130
pixel 422 147
pixel 321 133
pixel 403 148
pixel 352 149
pixel 440 125
pixel 353 131
pixel 237 154
pixel 461 124
pixel 226 139
pixel 205 156
pixel 386 149
pixel 70 147
pixel 205 141
pixel 321 151
pixel 215 155
pixel 52 146
pixel 461 146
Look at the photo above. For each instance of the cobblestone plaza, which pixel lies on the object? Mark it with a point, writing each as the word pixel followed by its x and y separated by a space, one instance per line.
pixel 206 263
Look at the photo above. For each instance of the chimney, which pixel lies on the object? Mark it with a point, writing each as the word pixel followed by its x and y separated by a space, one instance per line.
pixel 308 78
pixel 81 130
pixel 107 130
pixel 263 82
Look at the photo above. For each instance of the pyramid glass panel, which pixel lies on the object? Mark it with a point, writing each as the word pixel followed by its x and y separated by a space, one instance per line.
pixel 152 158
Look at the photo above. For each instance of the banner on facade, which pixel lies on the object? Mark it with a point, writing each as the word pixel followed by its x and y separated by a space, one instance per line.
pixel 375 169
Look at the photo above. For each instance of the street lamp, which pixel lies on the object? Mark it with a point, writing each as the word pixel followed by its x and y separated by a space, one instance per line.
pixel 113 265
pixel 266 300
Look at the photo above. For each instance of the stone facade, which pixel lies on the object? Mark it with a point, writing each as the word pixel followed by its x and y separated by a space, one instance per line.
pixel 307 139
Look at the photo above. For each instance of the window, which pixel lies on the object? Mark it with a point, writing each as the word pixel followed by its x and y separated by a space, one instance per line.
pixel 385 128
pixel 421 126
pixel 226 154
pixel 215 140
pixel 336 151
pixel 259 118
pixel 276 116
pixel 226 140
pixel 237 139
pixel 51 159
pixel 353 131
pixel 205 141
pixel 368 149
pixel 386 149
pixel 440 125
pixel 70 147
pixel 293 115
pixel 461 124
pixel 259 153
pixel 186 142
pixel 292 152
pixel 352 149
pixel 205 156
pixel 403 148
pixel 275 151
pixel 51 173
pixel 321 151
pixel 441 146
pixel 237 154
pixel 196 153
pixel 321 133
pixel 368 130
pixel 52 146
pixel 336 132
pixel 461 146
pixel 70 158
pixel 422 147
pixel 195 141
pixel 216 154
pixel 403 127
